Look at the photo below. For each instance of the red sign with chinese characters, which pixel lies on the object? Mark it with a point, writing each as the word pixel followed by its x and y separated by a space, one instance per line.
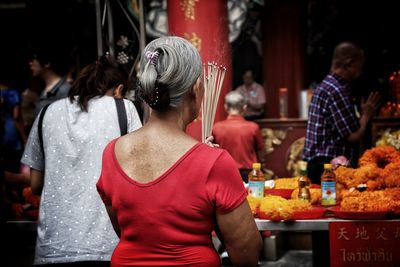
pixel 205 25
pixel 359 244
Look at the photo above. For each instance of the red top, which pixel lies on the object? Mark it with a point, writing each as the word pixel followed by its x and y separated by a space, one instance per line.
pixel 241 138
pixel 194 129
pixel 169 221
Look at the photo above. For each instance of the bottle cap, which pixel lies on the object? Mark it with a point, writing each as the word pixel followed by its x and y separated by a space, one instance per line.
pixel 327 166
pixel 257 165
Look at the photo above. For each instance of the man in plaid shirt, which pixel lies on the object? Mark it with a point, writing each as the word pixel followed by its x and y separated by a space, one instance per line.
pixel 333 128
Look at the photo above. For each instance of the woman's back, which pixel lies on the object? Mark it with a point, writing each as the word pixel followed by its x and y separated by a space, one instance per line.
pixel 168 219
pixel 159 148
pixel 72 221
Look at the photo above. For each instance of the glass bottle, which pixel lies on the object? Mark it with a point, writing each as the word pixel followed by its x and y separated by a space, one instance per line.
pixel 304 183
pixel 328 186
pixel 256 181
pixel 283 103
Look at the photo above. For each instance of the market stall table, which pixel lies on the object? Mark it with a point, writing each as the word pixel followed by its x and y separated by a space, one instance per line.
pixel 319 229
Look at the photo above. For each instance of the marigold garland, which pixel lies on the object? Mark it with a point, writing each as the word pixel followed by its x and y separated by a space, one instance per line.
pixel 380 171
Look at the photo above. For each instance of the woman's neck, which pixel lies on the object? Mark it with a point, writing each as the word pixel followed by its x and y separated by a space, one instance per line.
pixel 171 118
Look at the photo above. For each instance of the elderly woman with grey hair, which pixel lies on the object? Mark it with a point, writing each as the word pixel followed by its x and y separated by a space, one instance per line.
pixel 164 191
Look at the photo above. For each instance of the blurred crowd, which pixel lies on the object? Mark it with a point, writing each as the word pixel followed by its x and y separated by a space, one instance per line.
pixel 49 79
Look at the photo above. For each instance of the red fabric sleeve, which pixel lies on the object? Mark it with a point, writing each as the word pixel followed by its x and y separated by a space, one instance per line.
pixel 104 197
pixel 224 184
pixel 101 184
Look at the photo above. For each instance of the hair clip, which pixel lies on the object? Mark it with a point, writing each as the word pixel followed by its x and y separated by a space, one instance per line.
pixel 152 57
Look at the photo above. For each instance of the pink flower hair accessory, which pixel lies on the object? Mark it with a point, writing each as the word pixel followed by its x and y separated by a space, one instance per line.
pixel 152 57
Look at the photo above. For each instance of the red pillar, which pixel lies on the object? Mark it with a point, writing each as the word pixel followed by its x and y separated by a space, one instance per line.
pixel 205 24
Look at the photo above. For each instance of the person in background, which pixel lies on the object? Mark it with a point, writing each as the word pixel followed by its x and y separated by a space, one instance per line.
pixel 255 95
pixel 30 99
pixel 51 67
pixel 73 226
pixel 13 137
pixel 333 128
pixel 241 138
pixel 165 192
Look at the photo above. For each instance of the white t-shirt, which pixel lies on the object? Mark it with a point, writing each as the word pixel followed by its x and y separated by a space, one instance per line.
pixel 73 223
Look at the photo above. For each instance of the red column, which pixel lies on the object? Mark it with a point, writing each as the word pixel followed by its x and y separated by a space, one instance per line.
pixel 205 24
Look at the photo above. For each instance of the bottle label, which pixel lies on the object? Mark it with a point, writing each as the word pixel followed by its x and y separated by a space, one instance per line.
pixel 256 189
pixel 328 193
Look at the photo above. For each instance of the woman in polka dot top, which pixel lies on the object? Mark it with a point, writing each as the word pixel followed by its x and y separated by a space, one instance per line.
pixel 73 224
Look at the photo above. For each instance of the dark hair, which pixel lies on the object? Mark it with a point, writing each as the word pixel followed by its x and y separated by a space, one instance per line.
pixel 96 79
pixel 59 60
pixel 345 51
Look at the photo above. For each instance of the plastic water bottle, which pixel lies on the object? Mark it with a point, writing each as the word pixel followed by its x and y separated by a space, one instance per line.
pixel 256 181
pixel 328 186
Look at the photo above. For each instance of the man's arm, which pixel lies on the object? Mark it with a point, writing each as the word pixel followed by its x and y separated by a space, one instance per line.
pixel 37 181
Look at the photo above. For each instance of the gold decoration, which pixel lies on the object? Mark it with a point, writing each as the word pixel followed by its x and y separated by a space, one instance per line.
pixel 188 8
pixel 268 174
pixel 272 138
pixel 295 151
pixel 194 40
pixel 389 137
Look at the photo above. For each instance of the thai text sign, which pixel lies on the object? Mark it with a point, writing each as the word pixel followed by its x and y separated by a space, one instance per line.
pixel 359 244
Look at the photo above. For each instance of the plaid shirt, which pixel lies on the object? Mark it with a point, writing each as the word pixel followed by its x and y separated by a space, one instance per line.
pixel 331 120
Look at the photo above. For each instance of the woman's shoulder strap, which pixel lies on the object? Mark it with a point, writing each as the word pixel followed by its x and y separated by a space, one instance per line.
pixel 40 125
pixel 122 118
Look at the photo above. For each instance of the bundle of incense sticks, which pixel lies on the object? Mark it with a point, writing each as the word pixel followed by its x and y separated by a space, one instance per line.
pixel 213 76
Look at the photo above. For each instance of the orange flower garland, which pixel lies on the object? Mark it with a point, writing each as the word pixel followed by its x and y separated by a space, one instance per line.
pixel 380 171
pixel 380 156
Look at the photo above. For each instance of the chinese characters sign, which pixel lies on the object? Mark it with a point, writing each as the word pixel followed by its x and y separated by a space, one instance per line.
pixel 194 40
pixel 189 7
pixel 205 25
pixel 359 244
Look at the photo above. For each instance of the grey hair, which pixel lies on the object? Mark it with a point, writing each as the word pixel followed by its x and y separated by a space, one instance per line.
pixel 235 100
pixel 177 67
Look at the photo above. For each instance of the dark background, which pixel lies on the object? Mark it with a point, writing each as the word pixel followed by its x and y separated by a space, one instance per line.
pixel 61 26
pixel 372 24
pixel 68 26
